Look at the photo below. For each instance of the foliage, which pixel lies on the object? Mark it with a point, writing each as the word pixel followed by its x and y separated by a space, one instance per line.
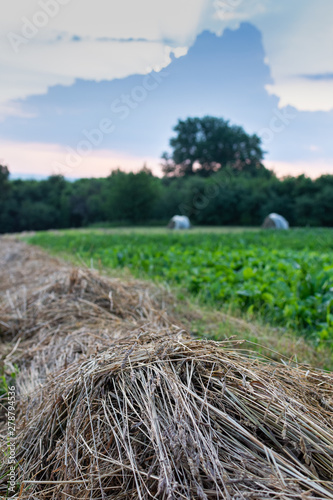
pixel 132 196
pixel 206 145
pixel 224 198
pixel 285 277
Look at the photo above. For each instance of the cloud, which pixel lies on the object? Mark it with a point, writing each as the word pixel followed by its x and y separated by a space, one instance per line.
pixel 323 76
pixel 98 40
pixel 42 66
pixel 298 40
pixel 231 12
pixel 146 19
pixel 305 94
pixel 103 40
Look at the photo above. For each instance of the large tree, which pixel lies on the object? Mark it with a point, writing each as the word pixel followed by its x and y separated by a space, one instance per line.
pixel 205 145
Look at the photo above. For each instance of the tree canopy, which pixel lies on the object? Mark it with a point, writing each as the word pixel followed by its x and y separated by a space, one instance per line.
pixel 206 145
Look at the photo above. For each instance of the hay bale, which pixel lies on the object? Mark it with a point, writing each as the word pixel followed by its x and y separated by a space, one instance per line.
pixel 179 222
pixel 175 419
pixel 275 221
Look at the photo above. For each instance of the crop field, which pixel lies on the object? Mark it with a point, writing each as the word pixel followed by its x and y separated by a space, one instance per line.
pixel 283 278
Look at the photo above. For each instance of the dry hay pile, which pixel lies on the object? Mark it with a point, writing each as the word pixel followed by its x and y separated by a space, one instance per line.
pixel 158 414
pixel 54 314
pixel 177 419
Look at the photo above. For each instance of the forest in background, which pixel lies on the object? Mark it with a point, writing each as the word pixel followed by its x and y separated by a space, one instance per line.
pixel 225 198
pixel 214 175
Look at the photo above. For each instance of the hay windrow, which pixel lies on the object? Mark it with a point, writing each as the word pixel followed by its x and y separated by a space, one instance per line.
pixel 56 314
pixel 123 404
pixel 177 419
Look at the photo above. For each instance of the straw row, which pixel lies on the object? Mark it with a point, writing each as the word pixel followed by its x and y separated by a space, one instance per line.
pixel 117 401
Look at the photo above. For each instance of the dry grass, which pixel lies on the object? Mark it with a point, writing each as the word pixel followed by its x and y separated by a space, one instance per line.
pixel 55 314
pixel 116 400
pixel 178 418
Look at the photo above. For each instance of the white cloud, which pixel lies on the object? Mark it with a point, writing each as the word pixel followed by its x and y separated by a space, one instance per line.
pixel 49 56
pixel 231 12
pixel 303 94
pixel 297 37
pixel 298 40
pixel 147 19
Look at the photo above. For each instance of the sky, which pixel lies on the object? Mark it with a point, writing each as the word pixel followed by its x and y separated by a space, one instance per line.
pixel 87 87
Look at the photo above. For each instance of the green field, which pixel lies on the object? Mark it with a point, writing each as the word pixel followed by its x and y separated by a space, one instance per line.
pixel 283 278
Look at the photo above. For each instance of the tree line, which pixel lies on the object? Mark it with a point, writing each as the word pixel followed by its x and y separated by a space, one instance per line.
pixel 214 175
pixel 141 198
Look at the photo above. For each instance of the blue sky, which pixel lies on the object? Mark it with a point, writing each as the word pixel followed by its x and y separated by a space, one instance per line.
pixel 90 86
